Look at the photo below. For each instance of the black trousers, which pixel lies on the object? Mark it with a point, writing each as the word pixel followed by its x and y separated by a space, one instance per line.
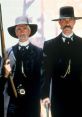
pixel 21 109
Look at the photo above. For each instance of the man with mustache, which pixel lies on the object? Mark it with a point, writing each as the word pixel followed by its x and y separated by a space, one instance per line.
pixel 63 65
pixel 24 63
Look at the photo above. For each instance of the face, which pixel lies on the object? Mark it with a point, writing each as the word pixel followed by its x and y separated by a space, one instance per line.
pixel 22 32
pixel 67 25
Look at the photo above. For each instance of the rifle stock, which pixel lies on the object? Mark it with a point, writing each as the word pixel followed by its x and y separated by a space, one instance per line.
pixel 4 53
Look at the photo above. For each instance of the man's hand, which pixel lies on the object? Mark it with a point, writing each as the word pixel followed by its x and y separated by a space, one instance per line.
pixel 46 102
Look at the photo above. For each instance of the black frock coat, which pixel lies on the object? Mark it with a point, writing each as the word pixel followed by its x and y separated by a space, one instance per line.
pixel 29 104
pixel 66 93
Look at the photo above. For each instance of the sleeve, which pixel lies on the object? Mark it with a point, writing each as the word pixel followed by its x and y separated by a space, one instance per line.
pixel 2 78
pixel 46 73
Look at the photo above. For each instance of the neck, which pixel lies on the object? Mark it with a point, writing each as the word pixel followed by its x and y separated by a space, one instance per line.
pixel 24 43
pixel 70 35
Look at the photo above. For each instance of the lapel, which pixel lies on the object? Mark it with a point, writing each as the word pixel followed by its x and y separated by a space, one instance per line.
pixel 31 51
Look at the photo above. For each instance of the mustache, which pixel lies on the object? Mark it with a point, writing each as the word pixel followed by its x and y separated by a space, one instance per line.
pixel 67 27
pixel 23 36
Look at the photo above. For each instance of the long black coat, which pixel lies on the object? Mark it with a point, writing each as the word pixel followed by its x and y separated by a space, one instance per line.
pixel 29 104
pixel 66 99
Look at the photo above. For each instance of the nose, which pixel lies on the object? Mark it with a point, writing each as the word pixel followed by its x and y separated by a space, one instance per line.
pixel 67 21
pixel 22 30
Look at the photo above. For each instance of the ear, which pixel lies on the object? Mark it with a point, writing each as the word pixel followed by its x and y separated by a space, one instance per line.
pixel 59 21
pixel 16 33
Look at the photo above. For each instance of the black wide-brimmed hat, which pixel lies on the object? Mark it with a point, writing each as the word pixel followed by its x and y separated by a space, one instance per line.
pixel 67 12
pixel 22 20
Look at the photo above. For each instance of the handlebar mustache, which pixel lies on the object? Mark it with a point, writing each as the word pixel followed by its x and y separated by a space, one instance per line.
pixel 67 27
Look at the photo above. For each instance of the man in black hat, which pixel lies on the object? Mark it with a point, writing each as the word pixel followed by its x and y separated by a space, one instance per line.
pixel 63 65
pixel 25 62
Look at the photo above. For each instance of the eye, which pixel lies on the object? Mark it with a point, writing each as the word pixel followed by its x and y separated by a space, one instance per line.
pixel 25 28
pixel 18 29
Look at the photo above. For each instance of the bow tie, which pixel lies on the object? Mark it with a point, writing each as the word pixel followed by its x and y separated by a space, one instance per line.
pixel 22 48
pixel 67 40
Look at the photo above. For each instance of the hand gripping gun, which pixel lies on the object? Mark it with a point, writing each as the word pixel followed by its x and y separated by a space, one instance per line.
pixel 4 53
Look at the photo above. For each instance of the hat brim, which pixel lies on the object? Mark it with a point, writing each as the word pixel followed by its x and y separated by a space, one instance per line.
pixel 76 18
pixel 33 28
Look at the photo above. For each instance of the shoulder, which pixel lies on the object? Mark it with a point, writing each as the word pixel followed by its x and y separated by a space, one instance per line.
pixel 37 51
pixel 49 43
pixel 35 48
pixel 78 38
pixel 11 54
pixel 52 42
pixel 48 47
pixel 11 49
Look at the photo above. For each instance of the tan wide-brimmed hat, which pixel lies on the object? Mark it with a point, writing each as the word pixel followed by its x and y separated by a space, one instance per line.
pixel 22 20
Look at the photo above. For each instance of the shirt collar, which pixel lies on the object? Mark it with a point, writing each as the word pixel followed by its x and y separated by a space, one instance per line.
pixel 67 36
pixel 26 44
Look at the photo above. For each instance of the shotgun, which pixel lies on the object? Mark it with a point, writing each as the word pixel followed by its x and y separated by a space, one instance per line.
pixel 4 53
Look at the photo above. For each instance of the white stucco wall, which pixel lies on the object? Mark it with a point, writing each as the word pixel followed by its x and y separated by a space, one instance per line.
pixel 10 10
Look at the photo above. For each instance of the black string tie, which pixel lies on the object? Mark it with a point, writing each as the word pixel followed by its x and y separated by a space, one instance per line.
pixel 68 40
